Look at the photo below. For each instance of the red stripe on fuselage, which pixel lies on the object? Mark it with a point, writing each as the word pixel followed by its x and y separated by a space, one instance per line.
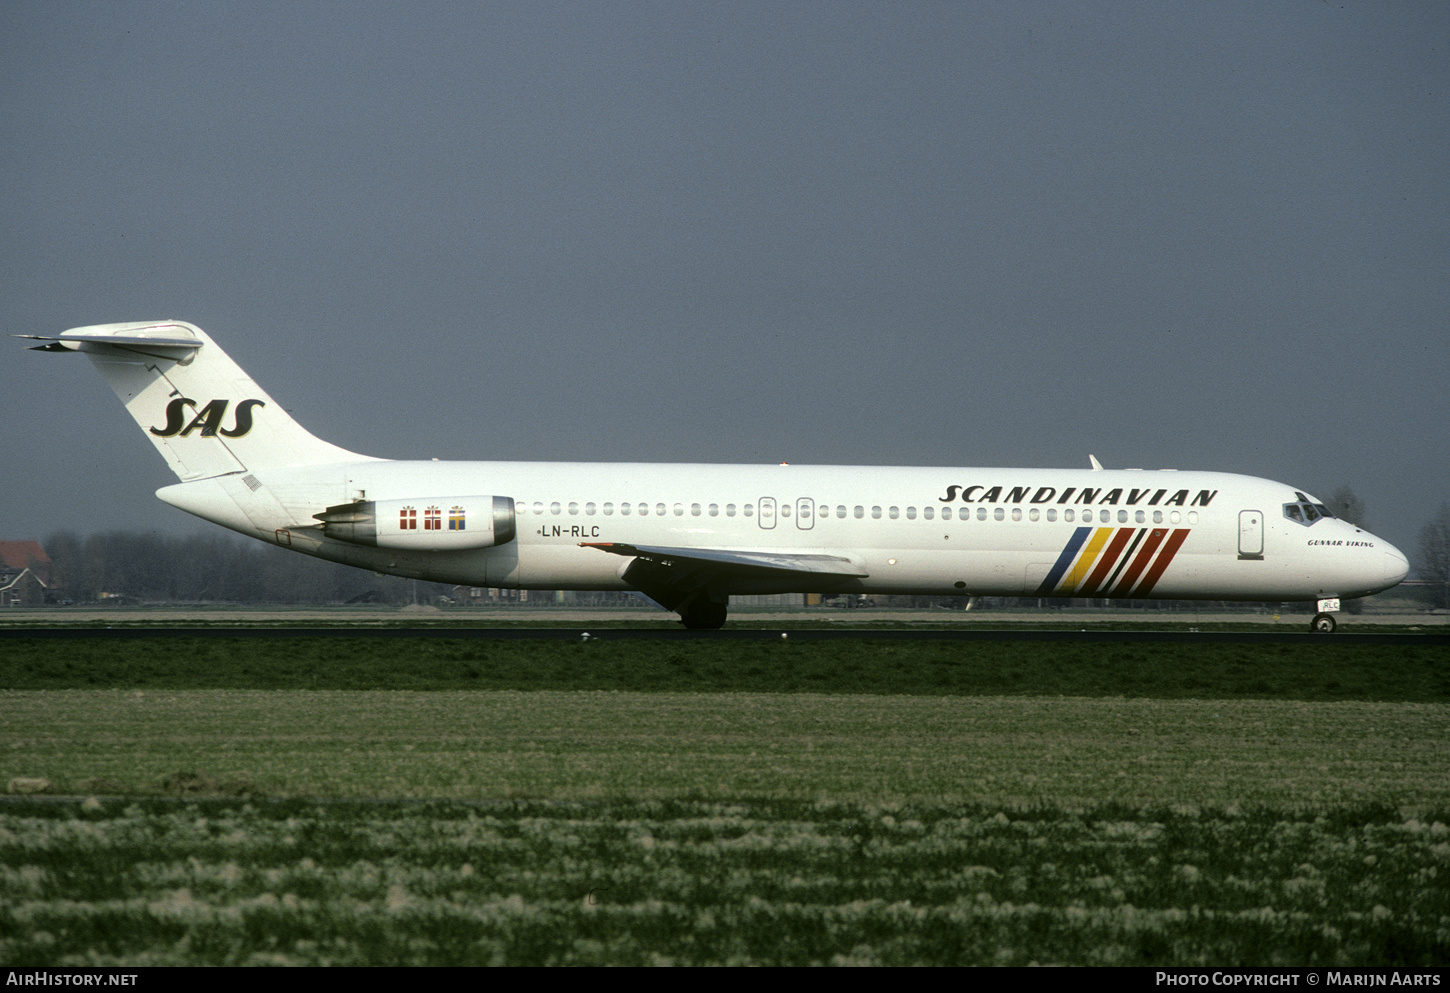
pixel 1170 549
pixel 1127 557
pixel 1140 561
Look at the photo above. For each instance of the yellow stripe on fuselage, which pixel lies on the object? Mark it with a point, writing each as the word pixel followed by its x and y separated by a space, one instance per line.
pixel 1085 560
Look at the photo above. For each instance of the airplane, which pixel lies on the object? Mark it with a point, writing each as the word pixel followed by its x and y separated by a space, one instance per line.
pixel 690 536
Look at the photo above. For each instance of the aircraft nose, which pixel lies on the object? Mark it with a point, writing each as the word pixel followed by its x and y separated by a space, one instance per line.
pixel 1395 567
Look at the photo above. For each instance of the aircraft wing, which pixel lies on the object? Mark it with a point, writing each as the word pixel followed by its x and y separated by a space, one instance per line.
pixel 672 575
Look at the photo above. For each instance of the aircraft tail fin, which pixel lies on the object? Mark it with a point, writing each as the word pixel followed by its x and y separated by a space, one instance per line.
pixel 202 412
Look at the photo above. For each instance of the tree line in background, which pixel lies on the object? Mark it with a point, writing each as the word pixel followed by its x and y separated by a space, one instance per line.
pixel 218 567
pixel 1433 561
pixel 212 567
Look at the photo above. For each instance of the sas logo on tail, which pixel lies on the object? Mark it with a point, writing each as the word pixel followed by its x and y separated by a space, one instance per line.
pixel 1113 562
pixel 208 418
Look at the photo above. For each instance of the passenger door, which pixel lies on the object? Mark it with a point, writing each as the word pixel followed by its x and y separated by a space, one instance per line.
pixel 1251 534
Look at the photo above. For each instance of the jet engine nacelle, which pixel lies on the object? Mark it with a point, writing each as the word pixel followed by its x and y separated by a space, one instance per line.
pixel 435 524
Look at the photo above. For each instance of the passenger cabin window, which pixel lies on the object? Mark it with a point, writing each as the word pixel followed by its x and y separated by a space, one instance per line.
pixel 893 513
pixel 623 509
pixel 876 513
pixel 555 508
pixel 730 510
pixel 1051 514
pixel 589 509
pixel 1016 513
pixel 998 514
pixel 928 513
pixel 714 510
pixel 694 510
pixel 946 513
pixel 981 513
pixel 911 513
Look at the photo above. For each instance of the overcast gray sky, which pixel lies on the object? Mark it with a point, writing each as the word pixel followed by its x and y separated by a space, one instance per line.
pixel 1183 235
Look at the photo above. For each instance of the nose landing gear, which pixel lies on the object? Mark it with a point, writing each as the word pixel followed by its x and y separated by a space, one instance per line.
pixel 1324 622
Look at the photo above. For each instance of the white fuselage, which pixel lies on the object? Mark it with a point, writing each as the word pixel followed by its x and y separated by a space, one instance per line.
pixel 1049 532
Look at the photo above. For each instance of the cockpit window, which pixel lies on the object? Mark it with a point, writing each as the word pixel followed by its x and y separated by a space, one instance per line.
pixel 1306 511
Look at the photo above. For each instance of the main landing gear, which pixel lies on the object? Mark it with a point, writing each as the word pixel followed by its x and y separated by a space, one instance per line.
pixel 701 614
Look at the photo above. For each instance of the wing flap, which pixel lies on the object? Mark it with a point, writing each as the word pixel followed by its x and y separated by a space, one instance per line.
pixel 675 576
pixel 806 562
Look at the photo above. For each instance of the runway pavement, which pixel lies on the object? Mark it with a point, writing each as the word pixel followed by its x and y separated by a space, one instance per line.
pixel 1096 634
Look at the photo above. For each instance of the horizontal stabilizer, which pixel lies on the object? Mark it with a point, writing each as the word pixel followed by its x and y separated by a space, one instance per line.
pixel 136 342
pixel 163 340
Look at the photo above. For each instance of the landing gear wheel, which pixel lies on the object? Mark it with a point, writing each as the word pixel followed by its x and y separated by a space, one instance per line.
pixel 1323 624
pixel 702 615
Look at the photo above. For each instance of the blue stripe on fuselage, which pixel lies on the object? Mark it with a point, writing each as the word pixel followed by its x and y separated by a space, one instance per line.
pixel 1064 560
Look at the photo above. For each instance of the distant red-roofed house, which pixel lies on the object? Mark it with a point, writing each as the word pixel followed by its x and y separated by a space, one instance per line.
pixel 17 555
pixel 25 574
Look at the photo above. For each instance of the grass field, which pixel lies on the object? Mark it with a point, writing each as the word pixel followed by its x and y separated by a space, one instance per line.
pixel 595 745
pixel 1312 671
pixel 703 802
pixel 704 883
